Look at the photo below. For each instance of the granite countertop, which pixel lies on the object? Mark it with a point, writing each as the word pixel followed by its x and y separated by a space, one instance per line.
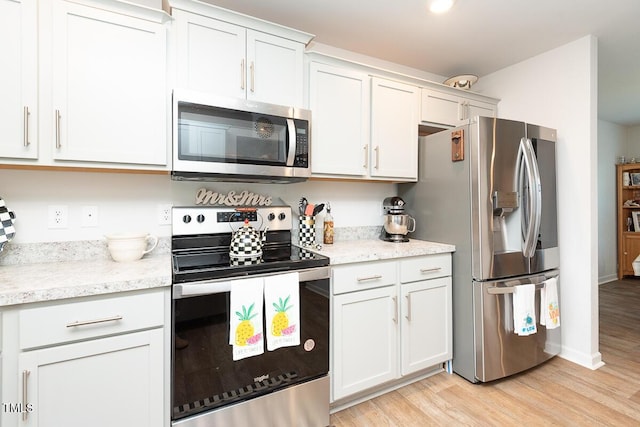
pixel 28 283
pixel 350 251
pixel 38 281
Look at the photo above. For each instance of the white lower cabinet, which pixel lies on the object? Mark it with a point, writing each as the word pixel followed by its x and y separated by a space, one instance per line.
pixel 426 324
pixel 113 381
pixel 98 361
pixel 391 319
pixel 365 334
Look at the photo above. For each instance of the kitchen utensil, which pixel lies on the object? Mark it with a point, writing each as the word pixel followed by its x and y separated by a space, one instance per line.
pixel 303 205
pixel 7 229
pixel 126 247
pixel 309 210
pixel 318 209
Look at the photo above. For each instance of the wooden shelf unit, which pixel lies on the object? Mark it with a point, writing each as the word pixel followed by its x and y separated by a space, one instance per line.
pixel 628 241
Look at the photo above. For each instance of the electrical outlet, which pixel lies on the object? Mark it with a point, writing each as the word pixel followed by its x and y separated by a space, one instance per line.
pixel 164 214
pixel 89 216
pixel 58 216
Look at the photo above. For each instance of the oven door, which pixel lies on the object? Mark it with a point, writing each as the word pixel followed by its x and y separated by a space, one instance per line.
pixel 234 137
pixel 205 378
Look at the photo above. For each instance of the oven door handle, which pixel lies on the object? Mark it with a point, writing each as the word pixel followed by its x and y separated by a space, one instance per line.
pixel 182 290
pixel 204 288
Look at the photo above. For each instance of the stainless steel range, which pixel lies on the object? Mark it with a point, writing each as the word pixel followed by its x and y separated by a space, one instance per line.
pixel 250 333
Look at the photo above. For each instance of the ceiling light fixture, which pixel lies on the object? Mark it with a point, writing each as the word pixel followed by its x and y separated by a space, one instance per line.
pixel 463 81
pixel 440 6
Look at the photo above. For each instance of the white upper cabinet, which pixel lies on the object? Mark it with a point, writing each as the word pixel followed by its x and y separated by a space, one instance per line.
pixel 363 127
pixel 394 129
pixel 274 69
pixel 339 99
pixel 210 54
pixel 452 109
pixel 234 55
pixel 19 83
pixel 109 87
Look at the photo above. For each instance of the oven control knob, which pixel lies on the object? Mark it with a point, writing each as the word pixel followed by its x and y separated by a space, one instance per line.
pixel 200 218
pixel 186 219
pixel 271 216
pixel 282 216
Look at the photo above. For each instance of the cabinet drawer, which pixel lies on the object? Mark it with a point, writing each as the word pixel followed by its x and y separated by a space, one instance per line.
pixel 356 277
pixel 425 267
pixel 81 320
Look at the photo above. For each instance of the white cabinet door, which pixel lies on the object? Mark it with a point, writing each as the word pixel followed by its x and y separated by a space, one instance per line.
pixel 107 382
pixel 440 108
pixel 478 108
pixel 450 109
pixel 426 324
pixel 394 129
pixel 109 86
pixel 339 99
pixel 19 82
pixel 365 340
pixel 231 60
pixel 275 69
pixel 210 55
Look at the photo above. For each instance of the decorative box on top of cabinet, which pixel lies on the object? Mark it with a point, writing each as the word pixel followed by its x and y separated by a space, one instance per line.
pixel 230 54
pixel 627 234
pixel 100 66
pixel 391 322
pixel 96 361
pixel 371 133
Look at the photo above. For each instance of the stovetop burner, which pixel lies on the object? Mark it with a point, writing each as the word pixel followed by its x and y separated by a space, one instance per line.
pixel 201 250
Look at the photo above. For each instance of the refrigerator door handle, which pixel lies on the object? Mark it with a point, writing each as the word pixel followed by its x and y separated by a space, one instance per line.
pixel 537 197
pixel 531 216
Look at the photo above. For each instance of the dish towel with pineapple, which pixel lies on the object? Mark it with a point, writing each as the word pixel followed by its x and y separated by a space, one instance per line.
pixel 246 318
pixel 524 312
pixel 549 308
pixel 282 310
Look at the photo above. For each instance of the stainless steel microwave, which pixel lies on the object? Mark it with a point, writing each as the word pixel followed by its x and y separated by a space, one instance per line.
pixel 227 139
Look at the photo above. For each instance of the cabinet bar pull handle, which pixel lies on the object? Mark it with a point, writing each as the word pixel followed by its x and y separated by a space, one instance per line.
pixel 395 309
pixel 25 377
pixel 364 279
pixel 242 75
pixel 91 322
pixel 252 69
pixel 366 157
pixel 58 143
pixel 377 150
pixel 430 270
pixel 26 126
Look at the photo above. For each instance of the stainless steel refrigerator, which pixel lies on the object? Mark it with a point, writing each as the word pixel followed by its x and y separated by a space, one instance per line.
pixel 489 188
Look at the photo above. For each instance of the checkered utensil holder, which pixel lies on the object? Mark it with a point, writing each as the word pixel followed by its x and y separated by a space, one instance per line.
pixel 307 230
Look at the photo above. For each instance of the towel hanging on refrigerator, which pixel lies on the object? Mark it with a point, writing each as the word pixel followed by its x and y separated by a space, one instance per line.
pixel 549 308
pixel 246 319
pixel 282 310
pixel 524 314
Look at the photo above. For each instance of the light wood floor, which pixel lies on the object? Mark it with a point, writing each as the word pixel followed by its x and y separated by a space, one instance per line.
pixel 556 393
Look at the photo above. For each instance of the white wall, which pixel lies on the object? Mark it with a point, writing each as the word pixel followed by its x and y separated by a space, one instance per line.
pixel 612 140
pixel 633 142
pixel 558 89
pixel 129 202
